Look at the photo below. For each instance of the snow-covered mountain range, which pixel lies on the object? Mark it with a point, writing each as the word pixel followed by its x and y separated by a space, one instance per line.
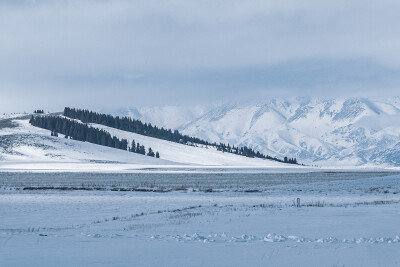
pixel 350 132
pixel 335 132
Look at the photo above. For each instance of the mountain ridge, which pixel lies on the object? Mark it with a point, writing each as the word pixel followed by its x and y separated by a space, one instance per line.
pixel 338 131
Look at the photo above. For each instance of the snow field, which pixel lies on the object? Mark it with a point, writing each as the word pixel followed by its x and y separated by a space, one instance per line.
pixel 348 219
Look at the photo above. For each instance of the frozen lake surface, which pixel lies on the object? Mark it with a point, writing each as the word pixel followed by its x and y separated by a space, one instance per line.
pixel 222 218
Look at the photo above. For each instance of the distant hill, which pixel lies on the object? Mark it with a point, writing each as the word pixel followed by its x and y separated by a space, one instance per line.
pixel 24 147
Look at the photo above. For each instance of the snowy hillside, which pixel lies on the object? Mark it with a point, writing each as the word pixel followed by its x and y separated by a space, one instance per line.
pixel 202 155
pixel 346 132
pixel 24 147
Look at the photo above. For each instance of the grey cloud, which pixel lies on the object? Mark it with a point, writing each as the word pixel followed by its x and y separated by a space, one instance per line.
pixel 176 51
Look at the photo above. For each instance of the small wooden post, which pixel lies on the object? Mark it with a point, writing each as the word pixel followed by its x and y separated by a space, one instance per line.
pixel 298 202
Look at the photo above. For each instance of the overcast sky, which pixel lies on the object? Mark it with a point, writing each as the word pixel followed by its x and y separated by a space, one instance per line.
pixel 105 54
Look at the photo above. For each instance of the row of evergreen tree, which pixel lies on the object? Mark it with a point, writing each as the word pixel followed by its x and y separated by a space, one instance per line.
pixel 38 111
pixel 131 125
pixel 248 152
pixel 82 132
pixel 290 160
pixel 137 148
pixel 136 126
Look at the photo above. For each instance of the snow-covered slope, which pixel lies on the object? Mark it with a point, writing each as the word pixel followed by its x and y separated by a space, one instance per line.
pixel 200 154
pixel 329 132
pixel 24 147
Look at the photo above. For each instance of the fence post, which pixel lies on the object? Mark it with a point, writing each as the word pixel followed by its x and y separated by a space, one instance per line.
pixel 298 202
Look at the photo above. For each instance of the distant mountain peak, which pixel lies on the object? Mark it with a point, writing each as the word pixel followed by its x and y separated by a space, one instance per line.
pixel 337 131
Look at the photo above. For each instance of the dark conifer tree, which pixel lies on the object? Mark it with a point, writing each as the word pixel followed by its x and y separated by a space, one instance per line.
pixel 137 148
pixel 133 146
pixel 150 153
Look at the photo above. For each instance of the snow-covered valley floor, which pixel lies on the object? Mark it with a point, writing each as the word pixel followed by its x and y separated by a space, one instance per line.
pixel 205 219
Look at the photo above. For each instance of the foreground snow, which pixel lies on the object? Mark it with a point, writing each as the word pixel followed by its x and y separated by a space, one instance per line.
pixel 348 219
